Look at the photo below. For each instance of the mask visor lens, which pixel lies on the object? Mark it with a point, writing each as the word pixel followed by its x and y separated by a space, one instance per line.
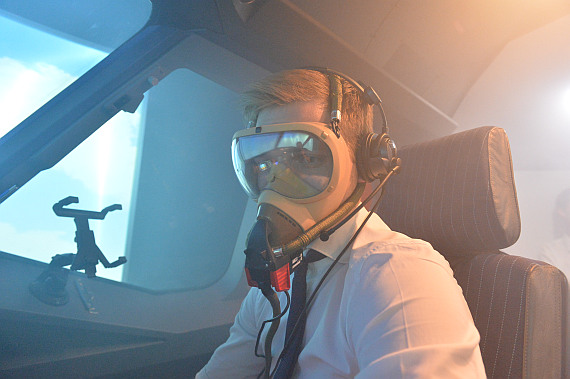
pixel 295 164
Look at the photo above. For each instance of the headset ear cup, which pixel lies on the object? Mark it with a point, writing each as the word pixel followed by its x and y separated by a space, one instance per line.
pixel 367 152
pixel 376 156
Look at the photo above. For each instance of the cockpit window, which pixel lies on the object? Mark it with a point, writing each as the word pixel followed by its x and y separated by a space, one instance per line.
pixel 168 165
pixel 34 66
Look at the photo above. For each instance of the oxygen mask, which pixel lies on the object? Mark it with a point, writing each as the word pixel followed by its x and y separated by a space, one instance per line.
pixel 298 173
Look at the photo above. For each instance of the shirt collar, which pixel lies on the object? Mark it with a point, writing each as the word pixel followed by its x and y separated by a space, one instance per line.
pixel 338 240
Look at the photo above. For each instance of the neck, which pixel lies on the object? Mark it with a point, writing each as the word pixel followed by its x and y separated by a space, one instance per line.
pixel 328 222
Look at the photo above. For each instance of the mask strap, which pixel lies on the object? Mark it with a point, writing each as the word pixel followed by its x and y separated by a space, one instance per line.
pixel 335 103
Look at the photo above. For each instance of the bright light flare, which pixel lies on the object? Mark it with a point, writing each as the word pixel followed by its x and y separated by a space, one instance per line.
pixel 566 101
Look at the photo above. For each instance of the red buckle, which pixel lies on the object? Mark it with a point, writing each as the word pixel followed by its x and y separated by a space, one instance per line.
pixel 281 279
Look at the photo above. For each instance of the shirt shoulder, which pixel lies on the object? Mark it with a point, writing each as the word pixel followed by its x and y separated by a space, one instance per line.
pixel 390 247
pixel 405 313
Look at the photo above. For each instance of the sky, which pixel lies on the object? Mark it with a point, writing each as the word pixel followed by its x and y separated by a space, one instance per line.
pixel 34 67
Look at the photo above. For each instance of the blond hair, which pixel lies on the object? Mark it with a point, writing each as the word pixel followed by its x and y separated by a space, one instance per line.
pixel 306 85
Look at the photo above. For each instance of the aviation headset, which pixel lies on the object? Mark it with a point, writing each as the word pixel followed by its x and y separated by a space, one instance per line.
pixel 376 154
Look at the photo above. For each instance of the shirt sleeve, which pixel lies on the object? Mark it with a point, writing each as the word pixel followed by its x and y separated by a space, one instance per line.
pixel 235 358
pixel 408 317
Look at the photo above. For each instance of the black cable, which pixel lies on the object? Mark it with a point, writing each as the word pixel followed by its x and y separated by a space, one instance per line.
pixel 271 320
pixel 273 299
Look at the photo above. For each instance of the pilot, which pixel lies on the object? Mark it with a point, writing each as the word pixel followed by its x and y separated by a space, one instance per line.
pixel 382 305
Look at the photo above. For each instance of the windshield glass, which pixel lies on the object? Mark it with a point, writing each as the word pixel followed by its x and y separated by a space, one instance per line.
pixel 36 63
pixel 180 200
pixel 34 67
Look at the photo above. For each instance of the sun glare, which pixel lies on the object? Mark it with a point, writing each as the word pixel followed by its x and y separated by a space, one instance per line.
pixel 566 101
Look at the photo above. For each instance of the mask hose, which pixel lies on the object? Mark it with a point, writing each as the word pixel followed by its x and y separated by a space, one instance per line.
pixel 306 238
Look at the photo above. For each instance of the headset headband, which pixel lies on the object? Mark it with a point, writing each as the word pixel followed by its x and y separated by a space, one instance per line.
pixel 370 95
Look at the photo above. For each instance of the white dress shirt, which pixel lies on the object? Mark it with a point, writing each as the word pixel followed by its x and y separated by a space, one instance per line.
pixel 389 309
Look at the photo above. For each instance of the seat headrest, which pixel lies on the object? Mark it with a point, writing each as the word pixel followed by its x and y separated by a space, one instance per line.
pixel 456 192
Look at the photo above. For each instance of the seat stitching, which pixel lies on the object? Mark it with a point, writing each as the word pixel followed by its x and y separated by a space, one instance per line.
pixel 504 313
pixel 418 222
pixel 432 202
pixel 491 302
pixel 404 215
pixel 451 221
pixel 480 285
pixel 421 226
pixel 518 322
pixel 469 277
